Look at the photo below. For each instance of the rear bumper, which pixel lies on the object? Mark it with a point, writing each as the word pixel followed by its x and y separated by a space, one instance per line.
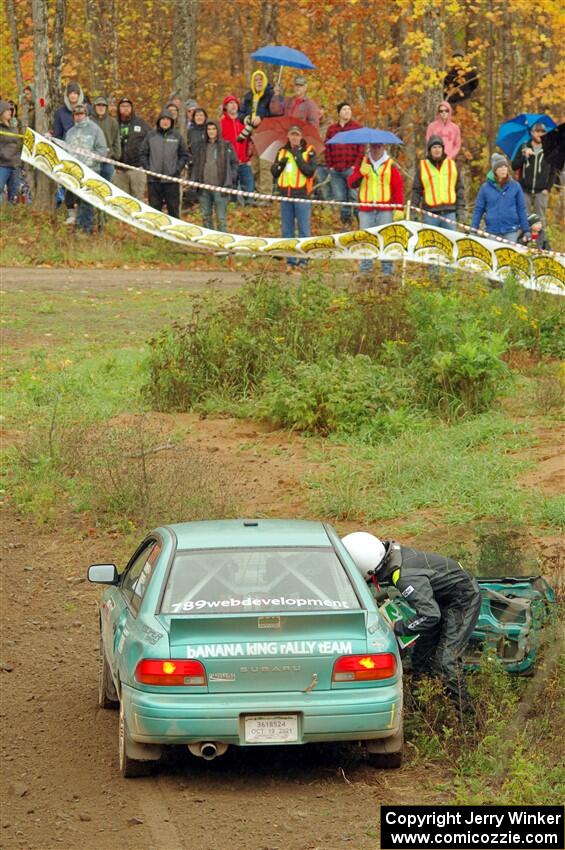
pixel 329 716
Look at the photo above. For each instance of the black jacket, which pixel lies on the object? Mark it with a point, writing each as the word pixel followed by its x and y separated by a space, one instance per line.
pixel 536 173
pixel 132 134
pixel 430 583
pixel 306 165
pixel 163 151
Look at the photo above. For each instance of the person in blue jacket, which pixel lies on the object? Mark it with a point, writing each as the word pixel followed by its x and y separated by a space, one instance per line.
pixel 501 200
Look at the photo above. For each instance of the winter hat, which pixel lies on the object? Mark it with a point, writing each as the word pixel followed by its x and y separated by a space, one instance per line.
pixel 80 107
pixel 73 86
pixel 435 140
pixel 533 219
pixel 497 160
pixel 191 103
pixel 4 105
pixel 341 105
pixel 229 99
pixel 125 100
pixel 101 101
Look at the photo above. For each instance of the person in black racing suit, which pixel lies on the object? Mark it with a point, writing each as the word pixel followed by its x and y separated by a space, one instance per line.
pixel 446 600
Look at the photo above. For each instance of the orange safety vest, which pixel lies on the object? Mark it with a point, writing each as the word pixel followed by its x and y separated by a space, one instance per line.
pixel 375 186
pixel 291 176
pixel 439 183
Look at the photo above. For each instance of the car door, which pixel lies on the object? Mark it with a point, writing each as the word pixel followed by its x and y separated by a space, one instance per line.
pixel 125 603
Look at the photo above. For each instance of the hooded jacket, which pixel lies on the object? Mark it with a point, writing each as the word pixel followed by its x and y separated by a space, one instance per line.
pixel 231 128
pixel 163 151
pixel 448 131
pixel 504 207
pixel 86 136
pixel 132 134
pixel 10 146
pixel 254 105
pixel 430 583
pixel 197 133
pixel 536 173
pixel 226 159
pixel 63 118
pixel 111 130
pixel 418 199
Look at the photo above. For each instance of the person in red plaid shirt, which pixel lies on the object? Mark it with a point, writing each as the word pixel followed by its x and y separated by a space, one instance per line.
pixel 341 160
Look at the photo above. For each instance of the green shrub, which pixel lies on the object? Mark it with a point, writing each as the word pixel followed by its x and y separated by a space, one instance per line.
pixel 351 394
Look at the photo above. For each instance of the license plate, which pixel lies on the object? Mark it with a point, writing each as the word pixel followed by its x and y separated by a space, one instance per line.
pixel 271 729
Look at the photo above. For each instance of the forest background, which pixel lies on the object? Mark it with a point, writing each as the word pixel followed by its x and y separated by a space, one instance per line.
pixel 387 59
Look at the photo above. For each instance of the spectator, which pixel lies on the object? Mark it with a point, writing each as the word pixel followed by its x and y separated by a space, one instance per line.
pixel 539 238
pixel 172 107
pixel 133 130
pixel 197 132
pixel 29 105
pixel 113 107
pixel 62 122
pixel 232 127
pixel 537 175
pixel 447 130
pixel 438 187
pixel 294 170
pixel 83 136
pixel 111 130
pixel 254 107
pixel 215 163
pixel 10 150
pixel 164 151
pixel 461 79
pixel 342 159
pixel 298 106
pixel 380 182
pixel 501 200
pixel 190 106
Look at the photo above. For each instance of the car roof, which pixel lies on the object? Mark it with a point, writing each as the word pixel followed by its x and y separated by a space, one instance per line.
pixel 244 533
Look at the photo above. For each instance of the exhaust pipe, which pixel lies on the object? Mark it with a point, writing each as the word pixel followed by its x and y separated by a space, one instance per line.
pixel 208 750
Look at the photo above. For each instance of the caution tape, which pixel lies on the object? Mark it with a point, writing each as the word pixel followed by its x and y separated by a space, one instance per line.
pixel 401 240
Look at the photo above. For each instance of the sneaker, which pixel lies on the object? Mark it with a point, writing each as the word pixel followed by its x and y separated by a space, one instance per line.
pixel 71 217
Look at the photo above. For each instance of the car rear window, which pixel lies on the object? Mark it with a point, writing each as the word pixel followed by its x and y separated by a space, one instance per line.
pixel 231 581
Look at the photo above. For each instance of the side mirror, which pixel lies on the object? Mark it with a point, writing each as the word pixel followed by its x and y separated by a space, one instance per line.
pixel 103 574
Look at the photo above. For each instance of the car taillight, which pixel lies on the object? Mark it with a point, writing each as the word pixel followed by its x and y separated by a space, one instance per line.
pixel 363 668
pixel 170 671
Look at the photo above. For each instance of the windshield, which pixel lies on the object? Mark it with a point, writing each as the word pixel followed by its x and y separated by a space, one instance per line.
pixel 220 581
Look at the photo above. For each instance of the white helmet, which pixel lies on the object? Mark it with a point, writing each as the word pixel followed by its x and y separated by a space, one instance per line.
pixel 367 551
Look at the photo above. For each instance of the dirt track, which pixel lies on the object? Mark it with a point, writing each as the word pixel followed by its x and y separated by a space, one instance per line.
pixel 64 279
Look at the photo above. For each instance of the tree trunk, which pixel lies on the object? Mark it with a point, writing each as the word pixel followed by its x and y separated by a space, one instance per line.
pixel 57 56
pixel 184 47
pixel 44 197
pixel 103 40
pixel 269 21
pixel 11 15
pixel 435 59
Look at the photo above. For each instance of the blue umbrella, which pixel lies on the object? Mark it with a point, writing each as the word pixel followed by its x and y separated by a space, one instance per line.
pixel 278 54
pixel 514 133
pixel 365 136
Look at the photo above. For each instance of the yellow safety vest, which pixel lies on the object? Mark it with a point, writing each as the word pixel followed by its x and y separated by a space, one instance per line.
pixel 291 176
pixel 375 186
pixel 439 183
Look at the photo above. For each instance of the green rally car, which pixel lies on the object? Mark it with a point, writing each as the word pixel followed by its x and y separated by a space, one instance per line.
pixel 245 632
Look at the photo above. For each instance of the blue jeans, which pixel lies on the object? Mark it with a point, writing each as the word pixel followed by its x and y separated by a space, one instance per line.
pixel 342 192
pixel 511 236
pixel 374 219
pixel 245 181
pixel 325 192
pixel 10 178
pixel 107 171
pixel 85 217
pixel 445 225
pixel 301 213
pixel 208 200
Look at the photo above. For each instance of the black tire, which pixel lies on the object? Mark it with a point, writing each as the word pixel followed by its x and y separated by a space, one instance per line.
pixel 129 768
pixel 385 761
pixel 107 696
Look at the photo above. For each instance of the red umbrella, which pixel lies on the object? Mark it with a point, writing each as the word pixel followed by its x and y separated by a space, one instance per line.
pixel 271 135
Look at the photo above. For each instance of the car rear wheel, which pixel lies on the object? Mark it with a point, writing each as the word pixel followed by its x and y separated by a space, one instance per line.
pixel 129 767
pixel 386 753
pixel 107 696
